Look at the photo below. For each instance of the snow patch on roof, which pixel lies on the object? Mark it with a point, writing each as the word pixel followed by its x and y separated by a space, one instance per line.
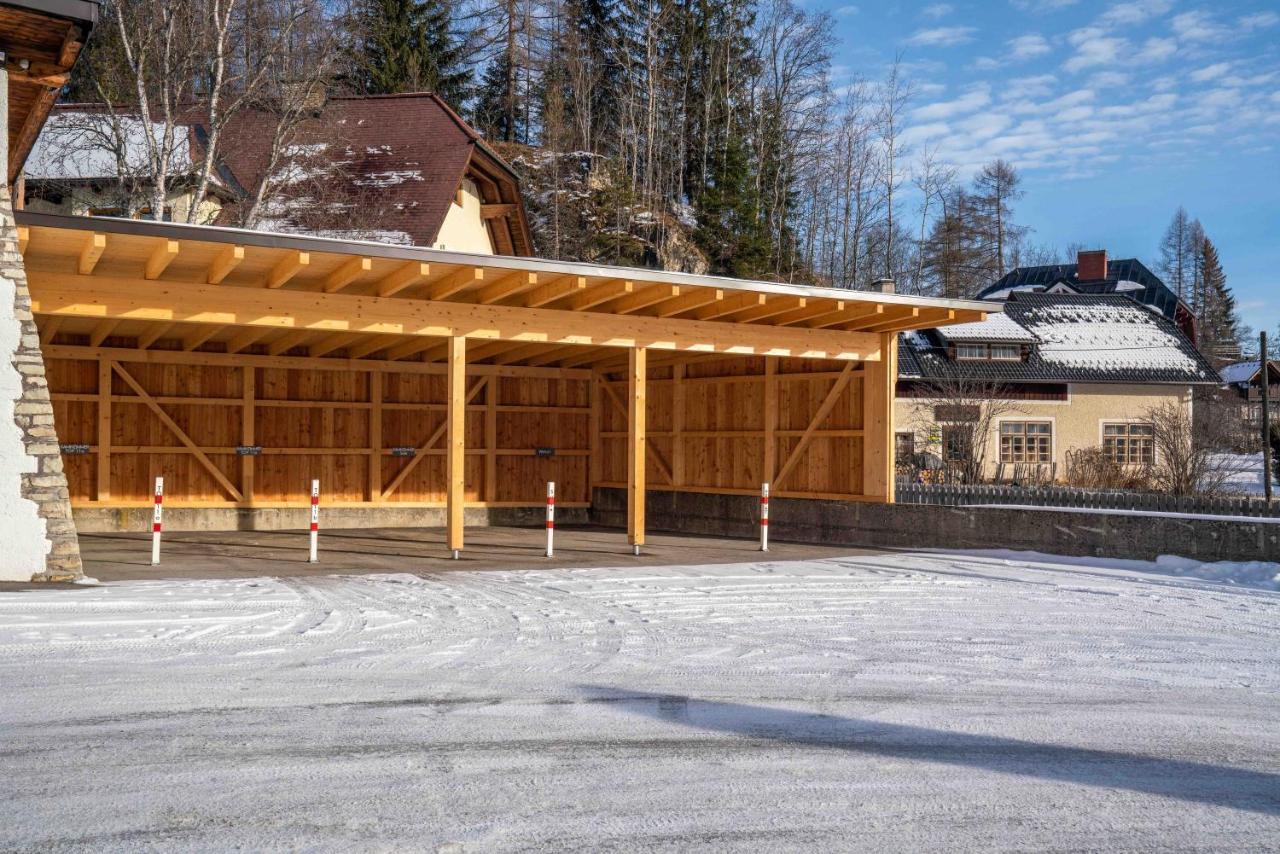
pixel 1107 337
pixel 1240 372
pixel 80 145
pixel 997 326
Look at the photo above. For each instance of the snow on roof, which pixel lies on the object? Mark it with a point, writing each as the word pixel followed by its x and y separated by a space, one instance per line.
pixel 1107 336
pixel 997 326
pixel 81 145
pixel 1240 372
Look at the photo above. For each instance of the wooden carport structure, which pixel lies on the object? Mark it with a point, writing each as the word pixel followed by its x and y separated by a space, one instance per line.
pixel 240 364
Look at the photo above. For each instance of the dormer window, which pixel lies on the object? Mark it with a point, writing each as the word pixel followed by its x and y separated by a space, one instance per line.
pixel 988 352
pixel 971 352
pixel 1006 353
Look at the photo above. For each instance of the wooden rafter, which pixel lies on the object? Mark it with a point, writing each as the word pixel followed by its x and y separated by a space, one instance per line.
pixel 199 336
pixel 24 237
pixel 404 277
pixel 288 341
pixel 286 268
pixel 49 327
pixel 821 308
pixel 828 404
pixel 601 294
pixel 226 261
pixel 245 338
pixel 153 334
pixel 336 341
pixel 892 319
pixel 454 282
pixel 774 307
pixel 91 249
pixel 558 289
pixel 698 298
pixel 346 273
pixel 101 330
pixel 178 432
pixel 730 305
pixel 645 298
pixel 507 286
pixel 160 258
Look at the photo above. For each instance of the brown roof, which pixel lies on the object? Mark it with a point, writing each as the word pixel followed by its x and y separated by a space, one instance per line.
pixel 388 164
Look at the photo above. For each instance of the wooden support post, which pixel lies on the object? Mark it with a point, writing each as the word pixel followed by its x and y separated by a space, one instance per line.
pixel 596 463
pixel 879 380
pixel 456 440
pixel 770 418
pixel 248 429
pixel 636 370
pixel 677 425
pixel 491 440
pixel 104 430
pixel 375 435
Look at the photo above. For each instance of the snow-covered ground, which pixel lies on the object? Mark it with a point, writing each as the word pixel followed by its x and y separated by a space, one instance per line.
pixel 1243 473
pixel 879 702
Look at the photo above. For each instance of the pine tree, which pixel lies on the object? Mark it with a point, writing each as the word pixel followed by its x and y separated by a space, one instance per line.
pixel 408 46
pixel 996 186
pixel 1177 255
pixel 1219 323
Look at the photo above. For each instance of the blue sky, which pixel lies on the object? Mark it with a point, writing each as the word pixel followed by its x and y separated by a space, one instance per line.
pixel 1115 113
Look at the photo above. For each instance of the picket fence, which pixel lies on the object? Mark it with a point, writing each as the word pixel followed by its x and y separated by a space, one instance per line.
pixel 1064 496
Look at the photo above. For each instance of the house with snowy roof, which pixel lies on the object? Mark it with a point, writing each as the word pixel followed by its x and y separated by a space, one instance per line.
pixel 401 169
pixel 1242 383
pixel 1071 370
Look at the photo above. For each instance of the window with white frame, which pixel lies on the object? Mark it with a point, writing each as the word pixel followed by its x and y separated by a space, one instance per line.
pixel 1006 352
pixel 1026 442
pixel 971 351
pixel 1129 444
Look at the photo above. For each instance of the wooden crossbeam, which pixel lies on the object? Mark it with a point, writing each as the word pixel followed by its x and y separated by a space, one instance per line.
pixel 519 354
pixel 201 335
pixel 892 318
pixel 435 437
pixel 406 276
pixel 645 298
pixel 774 307
pixel 698 298
pixel 288 341
pixel 333 342
pixel 24 237
pixel 454 282
pixel 828 403
pixel 857 312
pixel 370 347
pixel 409 348
pixel 49 327
pixel 808 312
pixel 600 294
pixel 496 210
pixel 652 451
pixel 228 259
pixel 913 321
pixel 153 334
pixel 178 432
pixel 160 258
pixel 730 305
pixel 478 351
pixel 552 291
pixel 101 330
pixel 346 273
pixel 90 251
pixel 507 286
pixel 286 268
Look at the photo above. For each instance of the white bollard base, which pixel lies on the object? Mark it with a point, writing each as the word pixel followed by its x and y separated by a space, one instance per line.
pixel 635 550
pixel 456 554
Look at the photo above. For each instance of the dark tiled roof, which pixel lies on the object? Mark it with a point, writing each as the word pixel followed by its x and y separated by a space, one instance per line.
pixel 1151 291
pixel 1102 338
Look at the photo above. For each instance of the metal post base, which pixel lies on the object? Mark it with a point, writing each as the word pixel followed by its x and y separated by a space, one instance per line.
pixel 635 550
pixel 457 554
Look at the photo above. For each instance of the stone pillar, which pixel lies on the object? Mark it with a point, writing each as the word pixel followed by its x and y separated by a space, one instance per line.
pixel 37 535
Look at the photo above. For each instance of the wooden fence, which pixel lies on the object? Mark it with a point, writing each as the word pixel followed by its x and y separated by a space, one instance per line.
pixel 1064 496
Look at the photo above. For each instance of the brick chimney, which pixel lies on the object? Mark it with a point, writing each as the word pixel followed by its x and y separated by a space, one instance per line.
pixel 884 286
pixel 1091 265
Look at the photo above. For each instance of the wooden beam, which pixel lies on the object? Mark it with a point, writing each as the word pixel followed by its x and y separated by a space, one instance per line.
pixel 493 211
pixel 677 425
pixel 368 348
pixel 49 327
pixel 652 451
pixel 288 341
pixel 878 391
pixel 153 334
pixel 645 298
pixel 24 237
pixel 601 293
pixel 456 441
pixel 636 445
pixel 828 403
pixel 730 305
pixel 857 312
pixel 160 258
pixel 891 317
pixel 91 250
pixel 102 296
pixel 436 436
pixel 595 462
pixel 821 308
pixel 286 268
pixel 689 301
pixel 226 261
pixel 926 319
pixel 770 418
pixel 454 282
pixel 101 331
pixel 346 273
pixel 201 335
pixel 248 422
pixel 177 431
pixel 245 338
pixel 491 440
pixel 555 354
pixel 552 291
pixel 103 490
pixel 409 348
pixel 519 354
pixel 509 285
pixel 774 307
pixel 70 49
pixel 404 277
pixel 329 343
pixel 375 435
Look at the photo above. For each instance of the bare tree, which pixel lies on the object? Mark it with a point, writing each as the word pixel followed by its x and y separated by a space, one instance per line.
pixel 958 415
pixel 895 93
pixel 933 180
pixel 1188 451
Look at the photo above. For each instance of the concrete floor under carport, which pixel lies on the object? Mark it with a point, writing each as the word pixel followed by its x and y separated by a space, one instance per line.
pixel 421 551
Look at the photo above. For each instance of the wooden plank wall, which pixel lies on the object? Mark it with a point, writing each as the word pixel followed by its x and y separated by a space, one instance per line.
pixel 340 426
pixel 728 425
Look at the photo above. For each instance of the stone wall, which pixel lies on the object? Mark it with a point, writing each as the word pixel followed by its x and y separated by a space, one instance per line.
pixel 854 523
pixel 37 535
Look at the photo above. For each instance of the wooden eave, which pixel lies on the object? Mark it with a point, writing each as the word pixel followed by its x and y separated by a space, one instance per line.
pixel 41 41
pixel 140 284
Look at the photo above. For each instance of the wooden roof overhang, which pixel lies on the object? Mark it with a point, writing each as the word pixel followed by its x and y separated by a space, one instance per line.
pixel 135 284
pixel 41 40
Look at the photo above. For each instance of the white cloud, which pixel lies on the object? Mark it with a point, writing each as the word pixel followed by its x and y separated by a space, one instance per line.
pixel 1156 50
pixel 983 126
pixel 976 98
pixel 942 36
pixel 1043 5
pixel 1029 87
pixel 1094 47
pixel 937 10
pixel 1134 12
pixel 1164 84
pixel 1109 80
pixel 1198 26
pixel 1259 20
pixel 986 63
pixel 846 11
pixel 1210 72
pixel 1028 46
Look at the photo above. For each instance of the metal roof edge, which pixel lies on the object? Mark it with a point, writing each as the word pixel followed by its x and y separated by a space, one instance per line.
pixel 276 240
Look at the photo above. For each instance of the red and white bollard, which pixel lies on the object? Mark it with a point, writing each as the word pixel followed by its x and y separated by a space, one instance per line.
pixel 155 522
pixel 315 521
pixel 764 517
pixel 551 517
